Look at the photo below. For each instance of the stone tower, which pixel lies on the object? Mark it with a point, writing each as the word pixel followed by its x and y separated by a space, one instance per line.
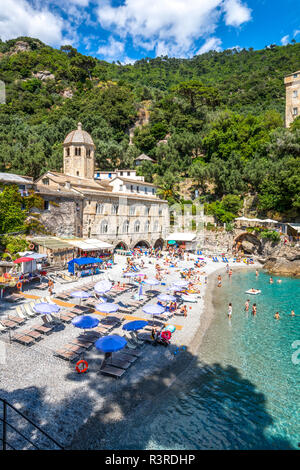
pixel 292 97
pixel 79 150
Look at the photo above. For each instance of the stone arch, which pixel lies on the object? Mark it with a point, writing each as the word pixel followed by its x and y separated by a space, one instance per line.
pixel 120 245
pixel 159 243
pixel 248 243
pixel 141 244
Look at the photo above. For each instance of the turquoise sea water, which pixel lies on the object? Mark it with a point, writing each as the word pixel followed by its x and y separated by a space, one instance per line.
pixel 244 392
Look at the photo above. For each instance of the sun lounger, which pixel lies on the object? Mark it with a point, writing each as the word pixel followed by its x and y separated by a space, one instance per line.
pixel 42 329
pixel 65 318
pixel 80 309
pixel 28 310
pixel 121 363
pixel 13 298
pixel 133 352
pixel 9 323
pixel 16 319
pixel 126 357
pixel 73 347
pixel 24 339
pixel 112 371
pixel 32 333
pixel 66 355
pixel 146 337
pixel 81 343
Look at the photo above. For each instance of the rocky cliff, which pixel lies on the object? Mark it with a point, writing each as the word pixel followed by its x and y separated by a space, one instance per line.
pixel 285 260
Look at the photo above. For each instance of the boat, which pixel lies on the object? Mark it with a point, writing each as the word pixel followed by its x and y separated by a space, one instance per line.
pixel 253 293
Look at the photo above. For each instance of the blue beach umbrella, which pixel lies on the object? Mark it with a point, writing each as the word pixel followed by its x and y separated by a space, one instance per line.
pixel 107 307
pixel 45 308
pixel 110 343
pixel 166 298
pixel 135 325
pixel 85 322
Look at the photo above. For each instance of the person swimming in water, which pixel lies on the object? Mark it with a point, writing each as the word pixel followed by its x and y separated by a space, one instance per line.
pixel 247 305
pixel 292 314
pixel 277 316
pixel 271 280
pixel 229 310
pixel 254 310
pixel 256 273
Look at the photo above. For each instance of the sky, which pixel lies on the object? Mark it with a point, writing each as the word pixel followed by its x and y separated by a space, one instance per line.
pixel 127 30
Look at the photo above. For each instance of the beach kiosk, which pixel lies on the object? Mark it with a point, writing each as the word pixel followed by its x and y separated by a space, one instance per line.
pixel 184 240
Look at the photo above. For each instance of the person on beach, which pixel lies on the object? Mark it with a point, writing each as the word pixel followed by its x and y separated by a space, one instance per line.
pixel 219 281
pixel 227 267
pixel 254 310
pixel 230 273
pixel 247 305
pixel 277 316
pixel 229 310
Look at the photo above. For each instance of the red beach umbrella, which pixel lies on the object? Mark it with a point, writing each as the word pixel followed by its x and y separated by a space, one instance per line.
pixel 23 260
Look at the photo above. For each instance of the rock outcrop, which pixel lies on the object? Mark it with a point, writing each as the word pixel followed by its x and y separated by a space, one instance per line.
pixel 44 75
pixel 284 260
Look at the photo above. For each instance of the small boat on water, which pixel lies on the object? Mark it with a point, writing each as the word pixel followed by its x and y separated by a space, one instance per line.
pixel 253 292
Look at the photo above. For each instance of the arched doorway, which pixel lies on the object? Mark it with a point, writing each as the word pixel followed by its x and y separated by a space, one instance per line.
pixel 142 244
pixel 121 246
pixel 159 244
pixel 247 243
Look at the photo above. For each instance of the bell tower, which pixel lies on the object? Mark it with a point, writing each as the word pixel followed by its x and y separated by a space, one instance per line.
pixel 79 154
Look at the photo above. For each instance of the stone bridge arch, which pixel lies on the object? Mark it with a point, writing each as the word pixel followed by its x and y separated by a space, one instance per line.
pixel 248 243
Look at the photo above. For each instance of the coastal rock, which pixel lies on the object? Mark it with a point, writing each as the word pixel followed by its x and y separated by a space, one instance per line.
pixel 285 260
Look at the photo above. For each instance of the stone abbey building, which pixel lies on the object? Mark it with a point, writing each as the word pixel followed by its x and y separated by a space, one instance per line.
pixel 118 207
pixel 292 100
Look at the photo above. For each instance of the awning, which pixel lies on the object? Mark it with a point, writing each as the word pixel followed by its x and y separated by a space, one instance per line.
pixel 295 227
pixel 32 254
pixel 51 243
pixel 90 244
pixel 182 237
pixel 82 262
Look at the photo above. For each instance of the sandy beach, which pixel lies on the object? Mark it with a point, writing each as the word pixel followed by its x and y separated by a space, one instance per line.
pixel 70 405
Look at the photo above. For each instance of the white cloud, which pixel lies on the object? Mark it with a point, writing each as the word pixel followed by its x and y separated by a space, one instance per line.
pixel 19 18
pixel 112 50
pixel 236 13
pixel 212 44
pixel 285 40
pixel 296 32
pixel 169 26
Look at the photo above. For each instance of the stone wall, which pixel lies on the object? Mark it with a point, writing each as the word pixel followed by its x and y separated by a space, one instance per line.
pixel 61 219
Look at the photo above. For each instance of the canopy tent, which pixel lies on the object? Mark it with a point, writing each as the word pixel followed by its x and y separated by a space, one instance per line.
pixel 248 219
pixel 181 237
pixel 90 244
pixel 32 254
pixel 81 262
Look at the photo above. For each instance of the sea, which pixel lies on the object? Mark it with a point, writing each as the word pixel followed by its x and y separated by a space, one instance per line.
pixel 242 390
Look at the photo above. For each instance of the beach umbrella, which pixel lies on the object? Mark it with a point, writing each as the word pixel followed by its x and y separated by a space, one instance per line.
pixel 85 322
pixel 135 325
pixel 110 343
pixel 80 294
pixel 24 259
pixel 166 298
pixel 107 307
pixel 151 282
pixel 170 328
pixel 180 284
pixel 153 309
pixel 45 308
pixel 102 286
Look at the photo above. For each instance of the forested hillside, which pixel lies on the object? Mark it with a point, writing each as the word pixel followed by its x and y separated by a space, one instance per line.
pixel 217 118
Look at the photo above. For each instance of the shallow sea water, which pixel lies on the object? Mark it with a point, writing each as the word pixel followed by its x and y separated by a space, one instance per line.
pixel 244 392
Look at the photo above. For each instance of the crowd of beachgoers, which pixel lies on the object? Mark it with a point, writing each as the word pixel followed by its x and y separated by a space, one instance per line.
pixel 133 320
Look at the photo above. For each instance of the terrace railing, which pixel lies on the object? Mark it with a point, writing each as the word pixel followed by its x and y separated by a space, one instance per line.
pixel 14 427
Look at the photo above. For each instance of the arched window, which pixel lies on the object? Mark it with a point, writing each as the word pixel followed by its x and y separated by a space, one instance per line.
pixel 99 208
pixel 137 226
pixel 147 226
pixel 156 226
pixel 126 226
pixel 77 151
pixel 104 226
